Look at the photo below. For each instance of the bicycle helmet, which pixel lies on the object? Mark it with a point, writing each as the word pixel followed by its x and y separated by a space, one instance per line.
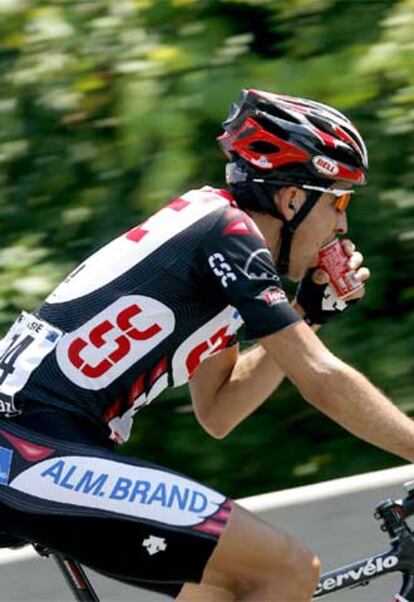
pixel 274 140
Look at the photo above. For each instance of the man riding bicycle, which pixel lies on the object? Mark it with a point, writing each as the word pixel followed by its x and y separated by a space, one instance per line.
pixel 160 306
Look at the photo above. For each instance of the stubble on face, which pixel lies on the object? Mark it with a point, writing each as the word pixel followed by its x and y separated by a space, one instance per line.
pixel 317 230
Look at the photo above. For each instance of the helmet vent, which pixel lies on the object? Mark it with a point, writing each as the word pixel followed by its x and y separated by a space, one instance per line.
pixel 321 124
pixel 264 148
pixel 270 110
pixel 343 156
pixel 270 124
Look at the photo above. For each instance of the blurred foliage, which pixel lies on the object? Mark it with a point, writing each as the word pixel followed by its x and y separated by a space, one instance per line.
pixel 110 108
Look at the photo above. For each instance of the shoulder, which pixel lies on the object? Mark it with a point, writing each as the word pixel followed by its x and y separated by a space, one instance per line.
pixel 229 220
pixel 237 222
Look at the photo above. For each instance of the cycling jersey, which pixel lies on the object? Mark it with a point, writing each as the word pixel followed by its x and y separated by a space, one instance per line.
pixel 143 312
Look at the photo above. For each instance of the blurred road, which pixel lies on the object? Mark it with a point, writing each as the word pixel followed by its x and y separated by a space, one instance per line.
pixel 339 529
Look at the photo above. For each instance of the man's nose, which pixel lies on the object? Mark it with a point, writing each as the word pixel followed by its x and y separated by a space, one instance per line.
pixel 341 223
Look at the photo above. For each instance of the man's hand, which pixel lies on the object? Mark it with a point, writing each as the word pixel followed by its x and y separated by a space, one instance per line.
pixel 318 299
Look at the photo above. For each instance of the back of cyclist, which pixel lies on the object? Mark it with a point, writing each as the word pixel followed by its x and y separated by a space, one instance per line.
pixel 144 311
pixel 160 306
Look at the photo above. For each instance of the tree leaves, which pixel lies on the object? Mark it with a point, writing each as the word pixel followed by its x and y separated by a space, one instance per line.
pixel 109 109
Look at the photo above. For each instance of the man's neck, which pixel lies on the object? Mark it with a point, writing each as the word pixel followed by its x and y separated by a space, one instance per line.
pixel 270 228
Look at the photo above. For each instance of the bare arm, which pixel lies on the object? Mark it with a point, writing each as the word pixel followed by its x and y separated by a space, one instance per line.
pixel 341 392
pixel 229 386
pixel 223 398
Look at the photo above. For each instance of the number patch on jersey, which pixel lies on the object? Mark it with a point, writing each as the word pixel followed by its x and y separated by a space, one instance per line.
pixel 112 341
pixel 23 348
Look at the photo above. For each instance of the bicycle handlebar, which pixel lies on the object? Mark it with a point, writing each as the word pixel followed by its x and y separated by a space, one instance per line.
pixel 408 506
pixel 400 557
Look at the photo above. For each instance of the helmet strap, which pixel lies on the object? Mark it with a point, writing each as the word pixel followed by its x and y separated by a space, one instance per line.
pixel 289 228
pixel 266 200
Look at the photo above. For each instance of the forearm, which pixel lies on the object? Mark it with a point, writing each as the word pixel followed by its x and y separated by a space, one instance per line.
pixel 254 377
pixel 351 400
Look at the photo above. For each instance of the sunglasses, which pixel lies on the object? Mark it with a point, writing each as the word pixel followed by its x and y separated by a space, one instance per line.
pixel 343 195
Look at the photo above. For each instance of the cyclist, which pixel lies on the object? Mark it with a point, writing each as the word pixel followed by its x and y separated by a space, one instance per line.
pixel 160 306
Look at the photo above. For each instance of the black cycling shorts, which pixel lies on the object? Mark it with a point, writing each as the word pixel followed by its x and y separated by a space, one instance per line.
pixel 126 518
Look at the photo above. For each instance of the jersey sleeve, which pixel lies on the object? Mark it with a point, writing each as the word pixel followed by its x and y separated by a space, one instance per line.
pixel 240 268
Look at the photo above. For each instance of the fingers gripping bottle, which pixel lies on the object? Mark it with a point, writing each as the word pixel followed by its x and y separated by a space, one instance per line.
pixel 334 261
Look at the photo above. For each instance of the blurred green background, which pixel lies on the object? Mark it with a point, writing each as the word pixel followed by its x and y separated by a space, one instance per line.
pixel 109 109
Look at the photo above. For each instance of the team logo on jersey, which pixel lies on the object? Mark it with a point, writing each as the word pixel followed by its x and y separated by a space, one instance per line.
pixel 222 269
pixel 204 342
pixel 154 544
pixel 99 483
pixel 273 296
pixel 256 268
pixel 103 348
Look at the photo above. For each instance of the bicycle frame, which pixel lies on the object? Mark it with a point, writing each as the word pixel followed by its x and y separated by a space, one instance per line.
pixel 73 573
pixel 400 557
pixel 367 569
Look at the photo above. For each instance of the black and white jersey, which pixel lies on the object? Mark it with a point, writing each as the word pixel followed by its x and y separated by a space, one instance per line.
pixel 144 311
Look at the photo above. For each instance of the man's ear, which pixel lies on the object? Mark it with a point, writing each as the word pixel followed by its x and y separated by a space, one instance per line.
pixel 289 200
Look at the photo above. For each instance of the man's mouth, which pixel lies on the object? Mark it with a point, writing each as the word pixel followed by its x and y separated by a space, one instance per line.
pixel 315 261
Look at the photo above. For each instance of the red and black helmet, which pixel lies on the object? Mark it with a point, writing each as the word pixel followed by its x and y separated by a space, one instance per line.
pixel 289 138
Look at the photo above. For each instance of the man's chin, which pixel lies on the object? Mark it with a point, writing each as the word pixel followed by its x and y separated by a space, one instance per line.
pixel 295 277
pixel 314 263
pixel 298 275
